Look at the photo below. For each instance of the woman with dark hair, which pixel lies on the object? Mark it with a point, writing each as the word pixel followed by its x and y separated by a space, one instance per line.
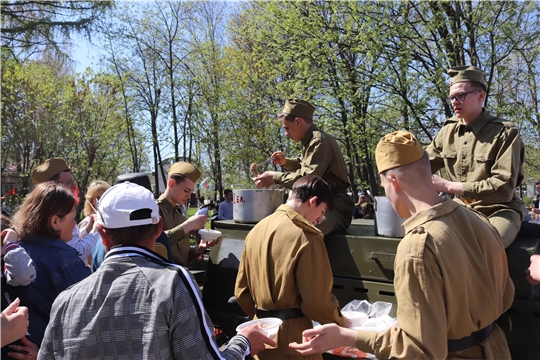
pixel 44 224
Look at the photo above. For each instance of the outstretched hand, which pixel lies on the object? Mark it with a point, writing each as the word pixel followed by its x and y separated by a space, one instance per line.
pixel 323 338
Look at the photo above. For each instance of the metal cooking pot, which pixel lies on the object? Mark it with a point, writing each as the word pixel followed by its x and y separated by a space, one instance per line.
pixel 387 221
pixel 253 205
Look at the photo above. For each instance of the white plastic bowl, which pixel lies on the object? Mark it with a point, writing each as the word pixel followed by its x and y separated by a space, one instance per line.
pixel 268 326
pixel 357 318
pixel 209 235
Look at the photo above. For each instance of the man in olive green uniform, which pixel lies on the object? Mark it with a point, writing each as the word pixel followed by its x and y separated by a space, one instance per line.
pixel 284 270
pixel 182 177
pixel 451 275
pixel 321 156
pixel 483 155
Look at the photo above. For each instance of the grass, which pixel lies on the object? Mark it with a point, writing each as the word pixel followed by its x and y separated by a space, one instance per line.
pixel 192 210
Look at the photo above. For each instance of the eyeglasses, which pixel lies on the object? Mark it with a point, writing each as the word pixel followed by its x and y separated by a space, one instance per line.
pixel 461 96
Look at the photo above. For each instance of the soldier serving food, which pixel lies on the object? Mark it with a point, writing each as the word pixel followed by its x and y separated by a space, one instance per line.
pixel 321 156
pixel 451 274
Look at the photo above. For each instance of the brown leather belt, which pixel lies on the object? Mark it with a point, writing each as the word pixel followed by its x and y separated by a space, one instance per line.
pixel 283 314
pixel 469 341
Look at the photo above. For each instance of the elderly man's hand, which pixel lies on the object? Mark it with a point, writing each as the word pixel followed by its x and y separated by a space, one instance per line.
pixel 27 351
pixel 256 338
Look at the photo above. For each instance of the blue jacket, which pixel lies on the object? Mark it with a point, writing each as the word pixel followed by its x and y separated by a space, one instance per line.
pixel 58 266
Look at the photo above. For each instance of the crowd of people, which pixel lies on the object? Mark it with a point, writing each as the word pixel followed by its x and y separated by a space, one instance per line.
pixel 116 285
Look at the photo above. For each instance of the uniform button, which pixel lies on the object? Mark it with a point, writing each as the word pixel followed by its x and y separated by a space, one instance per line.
pixel 465 142
pixel 463 157
pixel 420 230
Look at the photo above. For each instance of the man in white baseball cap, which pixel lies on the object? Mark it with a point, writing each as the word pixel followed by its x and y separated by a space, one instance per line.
pixel 136 305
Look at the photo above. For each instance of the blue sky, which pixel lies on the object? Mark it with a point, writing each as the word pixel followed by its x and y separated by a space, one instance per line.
pixel 84 54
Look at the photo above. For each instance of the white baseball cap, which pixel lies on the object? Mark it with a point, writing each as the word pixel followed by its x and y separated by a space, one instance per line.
pixel 125 205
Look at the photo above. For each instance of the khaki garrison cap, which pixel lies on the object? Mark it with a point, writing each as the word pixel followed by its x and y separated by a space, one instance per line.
pixel 397 149
pixel 184 168
pixel 465 74
pixel 48 169
pixel 299 108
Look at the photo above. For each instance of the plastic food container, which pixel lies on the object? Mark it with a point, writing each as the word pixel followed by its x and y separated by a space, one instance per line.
pixel 357 318
pixel 268 326
pixel 209 235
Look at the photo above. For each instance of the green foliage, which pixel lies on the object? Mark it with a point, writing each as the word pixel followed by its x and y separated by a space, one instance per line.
pixel 203 81
pixel 49 114
pixel 34 26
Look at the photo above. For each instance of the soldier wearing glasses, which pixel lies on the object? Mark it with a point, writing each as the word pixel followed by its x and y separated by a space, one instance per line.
pixel 483 155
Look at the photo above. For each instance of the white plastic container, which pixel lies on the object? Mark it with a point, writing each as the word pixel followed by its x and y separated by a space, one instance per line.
pixel 357 318
pixel 209 235
pixel 268 326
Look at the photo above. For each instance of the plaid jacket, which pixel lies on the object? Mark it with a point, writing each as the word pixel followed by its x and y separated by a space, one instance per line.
pixel 135 306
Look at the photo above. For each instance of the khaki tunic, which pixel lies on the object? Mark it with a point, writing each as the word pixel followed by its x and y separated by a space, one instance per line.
pixel 172 216
pixel 321 156
pixel 451 279
pixel 284 265
pixel 487 157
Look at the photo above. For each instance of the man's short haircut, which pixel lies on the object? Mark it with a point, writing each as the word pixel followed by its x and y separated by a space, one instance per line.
pixel 227 192
pixel 477 86
pixel 178 178
pixel 418 168
pixel 290 118
pixel 312 185
pixel 133 235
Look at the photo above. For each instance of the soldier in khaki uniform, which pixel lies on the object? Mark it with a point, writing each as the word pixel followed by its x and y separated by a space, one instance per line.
pixel 321 156
pixel 451 275
pixel 483 155
pixel 284 270
pixel 182 177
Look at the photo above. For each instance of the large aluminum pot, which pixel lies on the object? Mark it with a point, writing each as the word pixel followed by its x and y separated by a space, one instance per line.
pixel 387 221
pixel 252 205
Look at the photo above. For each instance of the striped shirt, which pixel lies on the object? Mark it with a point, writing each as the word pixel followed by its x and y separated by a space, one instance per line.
pixel 135 306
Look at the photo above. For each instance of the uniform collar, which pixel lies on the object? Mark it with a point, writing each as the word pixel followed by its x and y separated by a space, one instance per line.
pixel 298 219
pixel 429 214
pixel 167 204
pixel 477 124
pixel 309 134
